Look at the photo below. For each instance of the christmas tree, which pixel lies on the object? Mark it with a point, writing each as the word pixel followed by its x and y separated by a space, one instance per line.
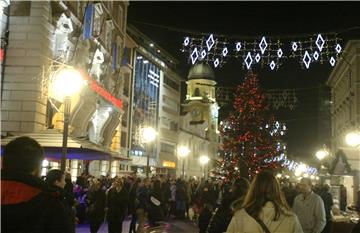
pixel 250 133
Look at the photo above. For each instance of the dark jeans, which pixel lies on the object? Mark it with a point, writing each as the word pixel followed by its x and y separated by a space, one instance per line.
pixel 115 225
pixel 133 223
pixel 327 227
pixel 94 226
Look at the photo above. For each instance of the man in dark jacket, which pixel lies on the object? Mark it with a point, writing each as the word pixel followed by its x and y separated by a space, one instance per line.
pixel 117 203
pixel 27 203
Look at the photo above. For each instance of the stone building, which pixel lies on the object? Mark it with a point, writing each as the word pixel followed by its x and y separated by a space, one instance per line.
pixel 344 82
pixel 199 120
pixel 89 36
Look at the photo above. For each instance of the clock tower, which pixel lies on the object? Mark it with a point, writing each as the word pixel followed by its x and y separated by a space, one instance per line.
pixel 200 100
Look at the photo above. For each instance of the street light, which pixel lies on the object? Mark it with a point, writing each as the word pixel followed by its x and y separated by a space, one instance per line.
pixel 204 160
pixel 183 152
pixel 67 82
pixel 148 135
pixel 353 139
pixel 321 154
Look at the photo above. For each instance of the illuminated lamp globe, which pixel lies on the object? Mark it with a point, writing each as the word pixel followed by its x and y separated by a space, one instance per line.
pixel 353 139
pixel 67 82
pixel 321 154
pixel 183 151
pixel 204 159
pixel 148 134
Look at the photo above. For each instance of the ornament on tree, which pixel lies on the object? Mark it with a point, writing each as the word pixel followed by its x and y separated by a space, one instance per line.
pixel 250 133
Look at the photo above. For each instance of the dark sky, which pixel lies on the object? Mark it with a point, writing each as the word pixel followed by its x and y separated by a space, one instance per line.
pixel 256 19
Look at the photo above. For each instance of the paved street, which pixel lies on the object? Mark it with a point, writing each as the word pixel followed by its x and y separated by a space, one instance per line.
pixel 173 226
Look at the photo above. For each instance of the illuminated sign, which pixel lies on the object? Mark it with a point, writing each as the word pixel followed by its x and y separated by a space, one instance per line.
pixel 103 92
pixel 169 164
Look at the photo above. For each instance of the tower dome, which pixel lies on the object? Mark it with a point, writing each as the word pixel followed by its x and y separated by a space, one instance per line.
pixel 201 71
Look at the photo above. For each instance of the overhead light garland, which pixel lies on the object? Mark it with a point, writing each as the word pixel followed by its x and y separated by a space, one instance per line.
pixel 263 51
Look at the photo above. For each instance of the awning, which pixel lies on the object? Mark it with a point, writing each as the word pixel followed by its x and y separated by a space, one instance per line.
pixel 51 141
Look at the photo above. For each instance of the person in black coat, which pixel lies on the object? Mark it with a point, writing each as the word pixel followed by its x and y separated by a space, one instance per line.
pixel 155 210
pixel 96 206
pixel 133 205
pixel 117 203
pixel 56 180
pixel 232 200
pixel 328 203
pixel 28 204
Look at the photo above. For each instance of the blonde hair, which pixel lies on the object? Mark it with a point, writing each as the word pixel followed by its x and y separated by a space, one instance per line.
pixel 265 188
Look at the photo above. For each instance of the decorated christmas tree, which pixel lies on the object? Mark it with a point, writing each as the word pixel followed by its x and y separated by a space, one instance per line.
pixel 250 133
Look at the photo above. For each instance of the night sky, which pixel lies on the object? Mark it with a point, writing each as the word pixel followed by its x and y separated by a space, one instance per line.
pixel 256 19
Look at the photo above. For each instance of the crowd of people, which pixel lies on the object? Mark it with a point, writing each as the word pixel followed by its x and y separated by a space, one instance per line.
pixel 55 204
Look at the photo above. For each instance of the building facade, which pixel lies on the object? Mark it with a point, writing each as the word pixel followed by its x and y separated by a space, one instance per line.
pixel 199 121
pixel 344 82
pixel 45 37
pixel 156 104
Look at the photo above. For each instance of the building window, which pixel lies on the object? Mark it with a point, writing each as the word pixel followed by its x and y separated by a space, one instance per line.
pixel 173 126
pixel 167 148
pixel 123 139
pixel 126 57
pixel 126 90
pixel 171 83
pixel 197 92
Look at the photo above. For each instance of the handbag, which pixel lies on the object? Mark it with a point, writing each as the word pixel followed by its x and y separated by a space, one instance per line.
pixel 261 223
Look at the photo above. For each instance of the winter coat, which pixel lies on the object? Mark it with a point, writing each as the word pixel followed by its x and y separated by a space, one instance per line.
pixel 242 222
pixel 29 205
pixel 133 200
pixel 155 213
pixel 223 215
pixel 117 203
pixel 96 205
pixel 143 198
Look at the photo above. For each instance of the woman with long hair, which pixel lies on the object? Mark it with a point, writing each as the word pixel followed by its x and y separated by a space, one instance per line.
pixel 264 209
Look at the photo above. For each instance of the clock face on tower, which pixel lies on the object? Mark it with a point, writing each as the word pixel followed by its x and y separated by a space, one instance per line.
pixel 195 112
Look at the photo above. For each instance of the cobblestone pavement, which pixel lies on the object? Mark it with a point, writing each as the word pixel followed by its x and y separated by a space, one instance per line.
pixel 172 226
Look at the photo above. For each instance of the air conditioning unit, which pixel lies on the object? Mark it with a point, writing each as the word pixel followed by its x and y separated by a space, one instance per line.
pixel 98 57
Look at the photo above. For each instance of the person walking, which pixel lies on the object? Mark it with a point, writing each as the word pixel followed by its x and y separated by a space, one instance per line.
pixel 133 204
pixel 143 196
pixel 56 180
pixel 96 199
pixel 264 209
pixel 328 203
pixel 117 203
pixel 231 201
pixel 309 207
pixel 28 204
pixel 155 210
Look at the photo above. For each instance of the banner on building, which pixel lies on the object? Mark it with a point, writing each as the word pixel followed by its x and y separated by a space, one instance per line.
pixel 88 21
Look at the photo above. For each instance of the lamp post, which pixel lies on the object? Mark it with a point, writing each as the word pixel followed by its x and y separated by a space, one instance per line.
pixel 67 82
pixel 204 160
pixel 183 152
pixel 148 135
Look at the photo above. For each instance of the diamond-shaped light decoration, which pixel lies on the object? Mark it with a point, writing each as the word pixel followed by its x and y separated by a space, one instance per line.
pixel 332 61
pixel 320 42
pixel 210 42
pixel 248 60
pixel 238 46
pixel 294 46
pixel 338 48
pixel 225 52
pixel 257 58
pixel 203 54
pixel 272 65
pixel 279 53
pixel 186 41
pixel 316 55
pixel 263 45
pixel 216 62
pixel 307 60
pixel 194 56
